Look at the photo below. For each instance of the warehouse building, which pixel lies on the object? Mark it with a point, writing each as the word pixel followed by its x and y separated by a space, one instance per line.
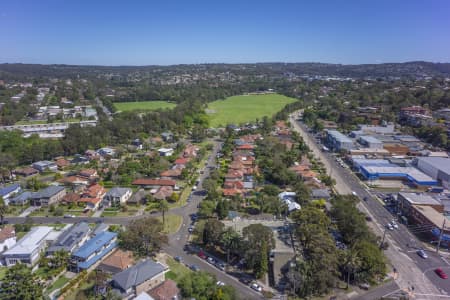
pixel 436 167
pixel 370 142
pixel 338 141
pixel 374 169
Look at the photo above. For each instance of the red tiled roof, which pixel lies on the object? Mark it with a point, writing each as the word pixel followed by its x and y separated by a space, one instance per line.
pixel 147 181
pixel 6 233
pixel 231 192
pixel 119 259
pixel 245 147
pixel 27 171
pixel 165 291
pixel 182 161
pixel 62 162
pixel 71 197
pixel 90 200
pixel 171 173
pixel 73 179
pixel 88 172
pixel 94 191
pixel 163 193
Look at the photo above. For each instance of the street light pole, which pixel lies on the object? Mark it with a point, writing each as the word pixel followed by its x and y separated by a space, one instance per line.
pixel 440 236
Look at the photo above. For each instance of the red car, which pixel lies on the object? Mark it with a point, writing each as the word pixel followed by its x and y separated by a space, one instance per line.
pixel 202 255
pixel 441 273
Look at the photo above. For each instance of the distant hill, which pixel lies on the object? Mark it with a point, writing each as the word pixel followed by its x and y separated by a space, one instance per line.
pixel 408 69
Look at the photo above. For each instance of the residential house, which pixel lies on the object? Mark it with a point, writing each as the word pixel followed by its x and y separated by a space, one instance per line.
pixel 138 144
pixel 164 192
pixel 26 172
pixel 20 199
pixel 232 192
pixel 71 197
pixel 79 160
pixel 116 262
pixel 47 196
pixel 75 183
pixel 172 173
pixel 117 196
pixel 7 238
pixel 143 296
pixel 70 239
pixel 190 151
pixel 165 151
pixel 181 162
pixel 167 290
pixel 93 196
pixel 90 174
pixel 9 191
pixel 289 198
pixel 154 183
pixel 141 277
pixel 62 163
pixel 106 152
pixel 45 165
pixel 167 136
pixel 320 194
pixel 234 175
pixel 93 251
pixel 29 248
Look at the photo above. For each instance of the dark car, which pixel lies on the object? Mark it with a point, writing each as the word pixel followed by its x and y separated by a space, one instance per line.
pixel 194 268
pixel 178 259
pixel 245 280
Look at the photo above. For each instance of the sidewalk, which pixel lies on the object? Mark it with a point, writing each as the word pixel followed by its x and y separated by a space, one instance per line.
pixel 28 211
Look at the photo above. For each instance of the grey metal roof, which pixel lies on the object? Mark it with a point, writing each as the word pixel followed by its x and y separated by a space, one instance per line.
pixel 117 192
pixel 47 192
pixel 137 274
pixel 70 238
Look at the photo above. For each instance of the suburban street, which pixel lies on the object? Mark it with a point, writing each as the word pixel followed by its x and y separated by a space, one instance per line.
pixel 414 273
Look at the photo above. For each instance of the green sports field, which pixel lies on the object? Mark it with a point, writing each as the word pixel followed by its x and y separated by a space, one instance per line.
pixel 245 108
pixel 143 105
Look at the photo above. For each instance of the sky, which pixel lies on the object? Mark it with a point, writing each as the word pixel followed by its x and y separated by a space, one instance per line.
pixel 166 32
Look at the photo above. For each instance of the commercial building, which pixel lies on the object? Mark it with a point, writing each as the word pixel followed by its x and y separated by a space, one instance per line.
pixel 93 251
pixel 436 167
pixel 373 169
pixel 338 141
pixel 70 239
pixel 406 201
pixel 139 278
pixel 47 196
pixel 28 249
pixel 370 142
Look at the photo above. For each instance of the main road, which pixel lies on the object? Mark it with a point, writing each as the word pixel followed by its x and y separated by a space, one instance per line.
pixel 414 273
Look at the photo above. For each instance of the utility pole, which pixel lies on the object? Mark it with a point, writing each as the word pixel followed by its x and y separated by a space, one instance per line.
pixel 440 236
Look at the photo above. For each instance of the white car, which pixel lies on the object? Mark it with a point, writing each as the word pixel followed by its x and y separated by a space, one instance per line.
pixel 355 194
pixel 389 226
pixel 394 224
pixel 220 283
pixel 256 287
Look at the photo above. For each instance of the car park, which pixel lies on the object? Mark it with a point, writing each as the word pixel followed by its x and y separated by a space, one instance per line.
pixel 422 254
pixel 441 273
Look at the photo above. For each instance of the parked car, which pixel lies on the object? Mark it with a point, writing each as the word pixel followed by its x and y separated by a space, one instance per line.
pixel 178 259
pixel 256 287
pixel 422 254
pixel 389 226
pixel 220 283
pixel 441 273
pixel 364 286
pixel 394 224
pixel 191 229
pixel 245 280
pixel 211 260
pixel 220 266
pixel 194 268
pixel 202 255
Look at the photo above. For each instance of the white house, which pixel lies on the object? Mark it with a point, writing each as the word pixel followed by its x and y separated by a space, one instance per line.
pixel 165 151
pixel 7 238
pixel 28 249
pixel 117 196
pixel 289 199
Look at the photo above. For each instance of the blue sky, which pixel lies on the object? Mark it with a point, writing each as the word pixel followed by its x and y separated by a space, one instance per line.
pixel 166 32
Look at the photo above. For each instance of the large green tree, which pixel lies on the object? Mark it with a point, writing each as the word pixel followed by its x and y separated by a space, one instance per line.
pixel 143 236
pixel 20 284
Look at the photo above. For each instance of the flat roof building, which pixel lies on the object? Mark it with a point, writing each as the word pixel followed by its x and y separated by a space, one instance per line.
pixel 370 142
pixel 28 249
pixel 437 168
pixel 373 169
pixel 338 141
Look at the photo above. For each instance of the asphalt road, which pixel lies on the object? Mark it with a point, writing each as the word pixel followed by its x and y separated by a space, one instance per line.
pixel 180 238
pixel 414 272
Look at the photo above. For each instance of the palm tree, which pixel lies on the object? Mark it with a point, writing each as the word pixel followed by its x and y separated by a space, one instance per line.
pixel 351 263
pixel 230 239
pixel 163 208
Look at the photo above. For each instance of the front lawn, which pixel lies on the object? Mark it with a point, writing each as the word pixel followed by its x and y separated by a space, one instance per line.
pixel 59 283
pixel 177 270
pixel 173 223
